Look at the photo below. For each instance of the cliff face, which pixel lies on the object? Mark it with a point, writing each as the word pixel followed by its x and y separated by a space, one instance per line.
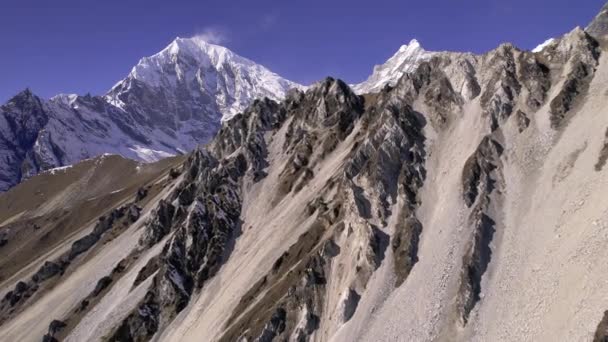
pixel 464 202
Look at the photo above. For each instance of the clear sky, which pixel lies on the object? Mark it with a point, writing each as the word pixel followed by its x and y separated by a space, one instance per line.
pixel 80 46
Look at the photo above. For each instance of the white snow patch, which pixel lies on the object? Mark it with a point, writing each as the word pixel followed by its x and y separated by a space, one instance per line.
pixel 57 169
pixel 546 43
pixel 149 155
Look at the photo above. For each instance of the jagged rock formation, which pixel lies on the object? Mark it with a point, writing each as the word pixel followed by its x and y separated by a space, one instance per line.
pixel 482 174
pixel 168 104
pixel 464 201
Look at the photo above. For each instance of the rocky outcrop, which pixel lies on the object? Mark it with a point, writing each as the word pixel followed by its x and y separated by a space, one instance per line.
pixel 54 328
pixel 603 155
pixel 104 224
pixel 432 84
pixel 201 227
pixel 21 120
pixel 503 87
pixel 159 225
pixel 482 174
pixel 477 172
pixel 601 333
pixel 475 262
pixel 246 133
pixel 320 119
pixel 522 121
pixel 59 329
pixel 145 272
pixel 392 158
pixel 535 79
pixel 405 247
pixel 582 59
pixel 15 300
pixel 3 237
pixel 290 303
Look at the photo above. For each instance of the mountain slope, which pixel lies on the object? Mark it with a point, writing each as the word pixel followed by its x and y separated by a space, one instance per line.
pixel 168 104
pixel 192 79
pixel 465 202
pixel 405 60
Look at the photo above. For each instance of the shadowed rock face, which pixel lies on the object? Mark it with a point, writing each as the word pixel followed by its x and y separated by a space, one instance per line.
pixel 405 247
pixel 23 117
pixel 601 333
pixel 581 68
pixel 476 175
pixel 482 174
pixel 503 87
pixel 54 328
pixel 201 230
pixel 603 155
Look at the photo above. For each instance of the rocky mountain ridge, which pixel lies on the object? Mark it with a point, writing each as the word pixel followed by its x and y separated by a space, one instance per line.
pixel 464 202
pixel 169 103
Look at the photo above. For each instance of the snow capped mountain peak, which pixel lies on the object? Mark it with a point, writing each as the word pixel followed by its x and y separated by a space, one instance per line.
pixel 412 45
pixel 206 70
pixel 199 48
pixel 406 59
pixel 186 90
pixel 67 99
pixel 541 46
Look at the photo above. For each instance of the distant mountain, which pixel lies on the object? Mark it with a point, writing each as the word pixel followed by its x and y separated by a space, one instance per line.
pixel 192 80
pixel 409 57
pixel 169 103
pixel 405 60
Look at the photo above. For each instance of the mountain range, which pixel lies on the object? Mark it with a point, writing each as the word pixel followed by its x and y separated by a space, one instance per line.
pixel 449 197
pixel 169 103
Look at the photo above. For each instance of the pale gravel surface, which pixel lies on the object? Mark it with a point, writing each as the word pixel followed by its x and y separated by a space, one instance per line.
pixel 546 280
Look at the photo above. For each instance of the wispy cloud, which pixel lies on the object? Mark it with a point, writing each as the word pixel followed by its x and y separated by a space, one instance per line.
pixel 213 35
pixel 268 21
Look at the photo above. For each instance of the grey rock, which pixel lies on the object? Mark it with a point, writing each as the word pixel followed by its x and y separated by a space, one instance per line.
pixel 598 28
pixel 477 172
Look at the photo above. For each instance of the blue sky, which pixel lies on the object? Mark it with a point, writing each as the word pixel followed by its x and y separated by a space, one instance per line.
pixel 86 46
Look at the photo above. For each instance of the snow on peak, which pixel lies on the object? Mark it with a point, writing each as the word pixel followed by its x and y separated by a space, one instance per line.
pixel 405 60
pixel 202 50
pixel 414 44
pixel 58 169
pixel 201 71
pixel 546 43
pixel 67 99
pixel 187 56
